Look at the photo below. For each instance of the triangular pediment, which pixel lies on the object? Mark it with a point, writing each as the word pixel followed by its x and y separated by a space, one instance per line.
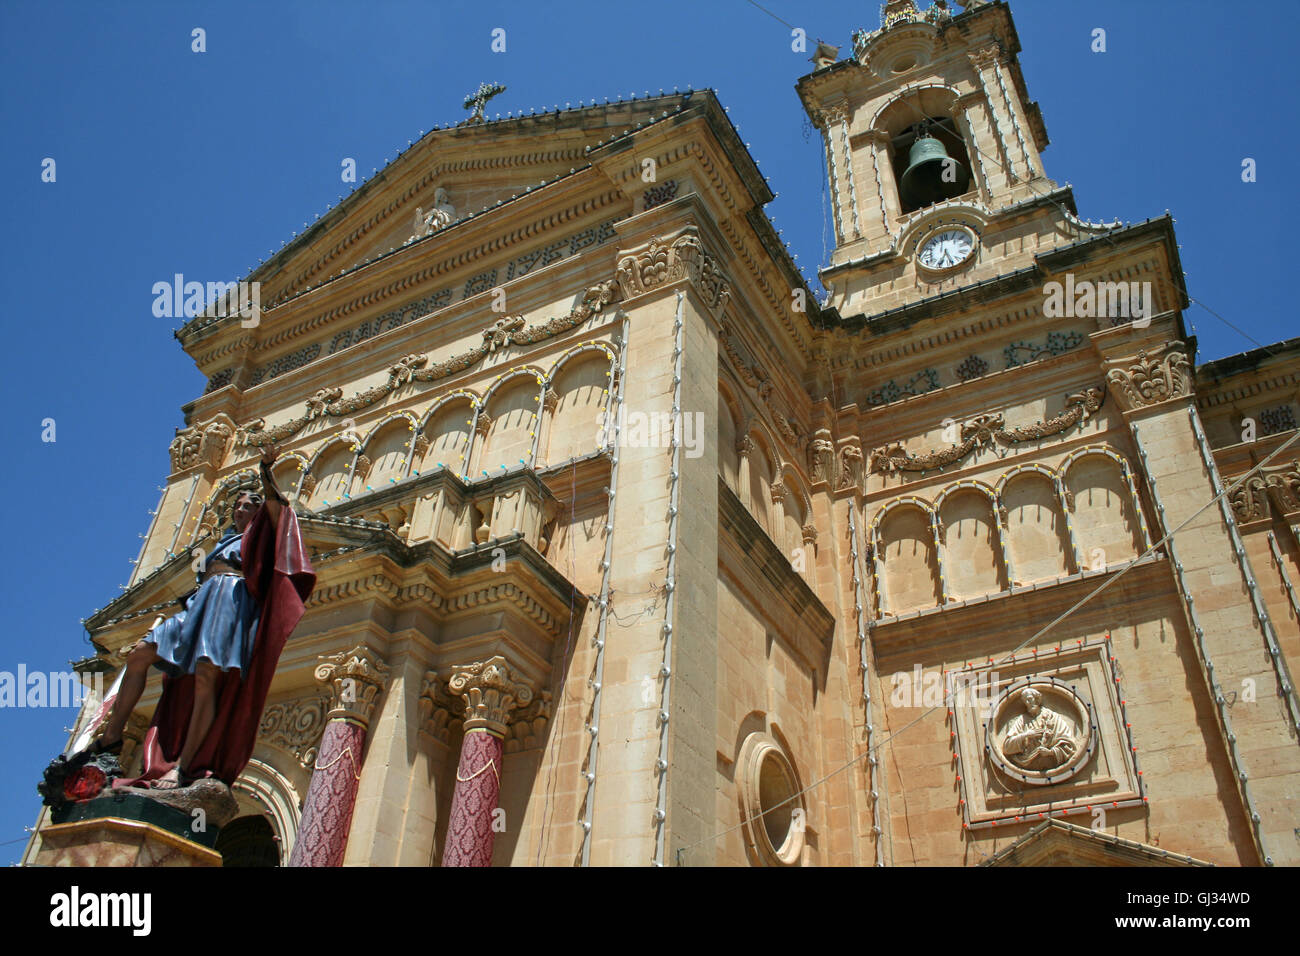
pixel 1057 843
pixel 476 165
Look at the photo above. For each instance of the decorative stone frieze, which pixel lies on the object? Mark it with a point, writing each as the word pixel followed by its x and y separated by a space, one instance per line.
pixel 983 431
pixel 296 726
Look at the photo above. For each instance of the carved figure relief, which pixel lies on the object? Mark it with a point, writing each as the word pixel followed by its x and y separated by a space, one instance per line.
pixel 1041 732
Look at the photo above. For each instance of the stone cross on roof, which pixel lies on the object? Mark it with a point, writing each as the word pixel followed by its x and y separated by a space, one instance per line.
pixel 478 99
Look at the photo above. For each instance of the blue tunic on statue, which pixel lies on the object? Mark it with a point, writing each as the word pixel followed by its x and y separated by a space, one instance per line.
pixel 218 622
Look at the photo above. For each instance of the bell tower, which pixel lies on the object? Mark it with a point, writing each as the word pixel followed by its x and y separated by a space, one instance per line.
pixel 933 155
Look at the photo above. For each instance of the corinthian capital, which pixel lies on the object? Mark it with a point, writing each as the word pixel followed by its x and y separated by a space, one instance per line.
pixel 491 690
pixel 356 678
pixel 1152 379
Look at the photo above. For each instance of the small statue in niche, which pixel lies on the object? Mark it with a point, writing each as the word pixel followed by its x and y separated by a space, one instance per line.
pixel 441 215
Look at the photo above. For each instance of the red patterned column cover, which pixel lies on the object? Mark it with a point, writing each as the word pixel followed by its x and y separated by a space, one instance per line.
pixel 327 811
pixel 478 785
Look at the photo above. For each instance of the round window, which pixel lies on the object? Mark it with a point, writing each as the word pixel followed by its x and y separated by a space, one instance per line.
pixel 774 810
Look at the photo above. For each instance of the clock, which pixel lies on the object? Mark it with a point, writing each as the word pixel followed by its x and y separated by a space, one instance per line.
pixel 946 249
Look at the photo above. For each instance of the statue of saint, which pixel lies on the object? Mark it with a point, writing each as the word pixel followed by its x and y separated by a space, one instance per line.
pixel 1040 738
pixel 219 652
pixel 442 214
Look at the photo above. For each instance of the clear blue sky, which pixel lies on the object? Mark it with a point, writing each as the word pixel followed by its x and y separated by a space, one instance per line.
pixel 170 161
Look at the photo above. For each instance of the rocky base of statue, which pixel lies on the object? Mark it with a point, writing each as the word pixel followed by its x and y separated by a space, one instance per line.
pixel 77 778
pixel 209 798
pixel 70 784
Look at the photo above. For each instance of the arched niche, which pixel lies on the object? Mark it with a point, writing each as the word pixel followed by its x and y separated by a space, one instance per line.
pixel 1105 523
pixel 1036 532
pixel 514 411
pixel 907 560
pixel 446 436
pixel 581 388
pixel 331 472
pixel 972 550
pixel 389 450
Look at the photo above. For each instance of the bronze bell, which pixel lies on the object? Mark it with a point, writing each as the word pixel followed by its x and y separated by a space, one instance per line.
pixel 932 175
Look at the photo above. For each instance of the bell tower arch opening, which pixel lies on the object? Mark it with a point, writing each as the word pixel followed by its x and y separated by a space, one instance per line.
pixel 928 154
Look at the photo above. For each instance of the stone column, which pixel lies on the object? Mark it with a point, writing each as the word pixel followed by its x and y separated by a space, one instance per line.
pixel 356 678
pixel 490 690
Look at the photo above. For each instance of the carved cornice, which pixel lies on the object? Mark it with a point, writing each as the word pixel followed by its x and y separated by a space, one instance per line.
pixel 356 679
pixel 663 262
pixel 296 726
pixel 429 598
pixel 491 690
pixel 983 431
pixel 1152 379
pixel 412 368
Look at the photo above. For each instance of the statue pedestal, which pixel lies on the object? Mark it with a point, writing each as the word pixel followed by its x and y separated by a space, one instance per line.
pixel 122 828
pixel 110 841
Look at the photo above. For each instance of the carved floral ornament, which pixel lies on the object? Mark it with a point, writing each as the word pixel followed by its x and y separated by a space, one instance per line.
pixel 296 726
pixel 441 710
pixel 504 332
pixel 205 443
pixel 663 262
pixel 1152 378
pixel 757 378
pixel 356 678
pixel 1281 483
pixel 983 431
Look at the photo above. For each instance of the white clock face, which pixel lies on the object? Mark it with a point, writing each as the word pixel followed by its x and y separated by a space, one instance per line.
pixel 947 249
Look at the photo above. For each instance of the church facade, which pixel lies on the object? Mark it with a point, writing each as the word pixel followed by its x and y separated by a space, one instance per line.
pixel 633 549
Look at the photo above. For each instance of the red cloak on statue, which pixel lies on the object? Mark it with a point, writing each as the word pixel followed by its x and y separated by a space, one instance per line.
pixel 280 578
